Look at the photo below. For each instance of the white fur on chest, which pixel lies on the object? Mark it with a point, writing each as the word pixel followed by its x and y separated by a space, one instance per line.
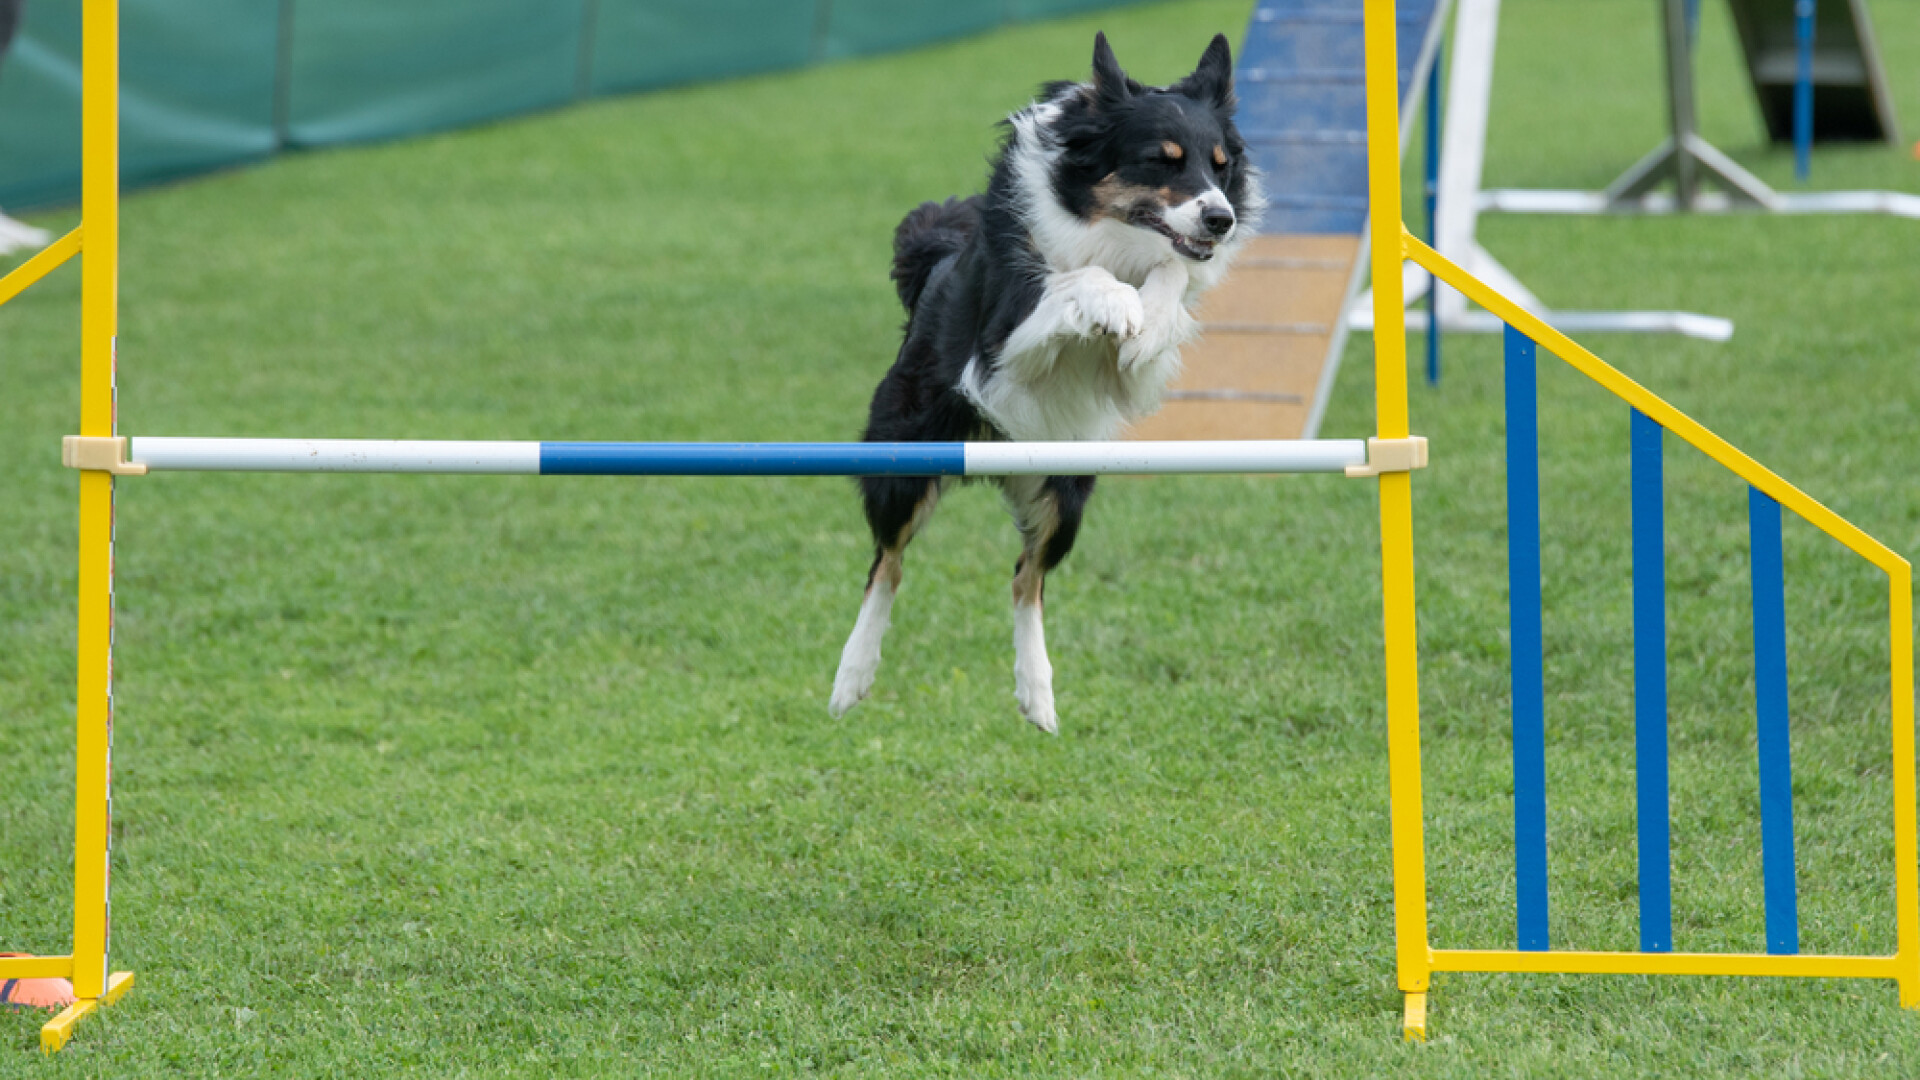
pixel 1081 396
pixel 1094 355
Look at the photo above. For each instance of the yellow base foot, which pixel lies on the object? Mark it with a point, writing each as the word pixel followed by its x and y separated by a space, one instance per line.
pixel 1415 1028
pixel 60 1029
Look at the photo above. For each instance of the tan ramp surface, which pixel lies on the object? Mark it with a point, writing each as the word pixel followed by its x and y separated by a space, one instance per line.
pixel 1269 333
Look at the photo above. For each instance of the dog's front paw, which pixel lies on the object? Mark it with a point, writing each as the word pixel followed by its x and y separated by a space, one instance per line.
pixel 1159 341
pixel 1166 325
pixel 1099 303
pixel 1139 350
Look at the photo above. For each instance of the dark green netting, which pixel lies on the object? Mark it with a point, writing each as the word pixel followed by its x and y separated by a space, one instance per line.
pixel 197 93
pixel 859 27
pixel 207 83
pixel 646 43
pixel 367 70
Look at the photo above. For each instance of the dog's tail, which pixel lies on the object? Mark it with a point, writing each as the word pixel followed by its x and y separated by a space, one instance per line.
pixel 930 233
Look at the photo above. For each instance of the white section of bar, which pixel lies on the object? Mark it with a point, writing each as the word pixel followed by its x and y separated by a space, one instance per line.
pixel 1097 458
pixel 333 455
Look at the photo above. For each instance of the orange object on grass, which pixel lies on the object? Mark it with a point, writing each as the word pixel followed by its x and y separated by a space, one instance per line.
pixel 36 993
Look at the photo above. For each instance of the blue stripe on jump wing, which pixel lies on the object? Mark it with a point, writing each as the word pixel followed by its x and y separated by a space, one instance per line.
pixel 1529 683
pixel 1650 686
pixel 1771 736
pixel 751 459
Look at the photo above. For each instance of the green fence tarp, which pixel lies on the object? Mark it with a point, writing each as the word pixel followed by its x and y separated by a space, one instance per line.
pixel 207 83
pixel 197 93
pixel 375 70
pixel 858 27
pixel 639 44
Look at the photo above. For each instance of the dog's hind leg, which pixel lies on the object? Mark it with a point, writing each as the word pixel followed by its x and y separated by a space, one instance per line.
pixel 1047 512
pixel 897 508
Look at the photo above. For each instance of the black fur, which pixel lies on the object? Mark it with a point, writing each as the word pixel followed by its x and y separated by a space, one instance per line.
pixel 926 237
pixel 1070 494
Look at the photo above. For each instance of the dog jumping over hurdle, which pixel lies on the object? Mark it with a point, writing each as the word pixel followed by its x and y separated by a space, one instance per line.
pixel 1052 307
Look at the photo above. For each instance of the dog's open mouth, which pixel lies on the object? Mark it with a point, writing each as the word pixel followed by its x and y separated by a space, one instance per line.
pixel 1197 250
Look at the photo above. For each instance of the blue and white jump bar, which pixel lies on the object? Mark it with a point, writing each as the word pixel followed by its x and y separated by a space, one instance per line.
pixel 746 459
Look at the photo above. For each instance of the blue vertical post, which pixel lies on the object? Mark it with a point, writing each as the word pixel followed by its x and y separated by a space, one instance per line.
pixel 1650 685
pixel 1529 682
pixel 1433 218
pixel 1803 89
pixel 1770 701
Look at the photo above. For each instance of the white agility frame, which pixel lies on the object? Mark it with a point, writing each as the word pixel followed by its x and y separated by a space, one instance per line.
pixel 1463 151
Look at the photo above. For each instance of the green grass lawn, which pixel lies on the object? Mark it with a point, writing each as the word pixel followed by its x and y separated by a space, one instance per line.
pixel 464 776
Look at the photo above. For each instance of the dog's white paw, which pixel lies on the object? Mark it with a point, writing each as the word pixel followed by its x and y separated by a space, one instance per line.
pixel 850 687
pixel 1166 325
pixel 1039 712
pixel 1159 343
pixel 1033 689
pixel 860 660
pixel 1096 302
pixel 1143 349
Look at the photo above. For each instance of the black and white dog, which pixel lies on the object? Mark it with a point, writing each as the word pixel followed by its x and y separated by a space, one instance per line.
pixel 1053 307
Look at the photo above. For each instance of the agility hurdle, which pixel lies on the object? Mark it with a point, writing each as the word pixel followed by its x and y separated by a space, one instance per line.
pixel 102 456
pixel 1650 417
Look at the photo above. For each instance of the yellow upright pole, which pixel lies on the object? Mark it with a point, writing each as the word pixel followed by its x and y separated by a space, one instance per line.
pixel 99 294
pixel 98 240
pixel 1396 518
pixel 99 304
pixel 1906 844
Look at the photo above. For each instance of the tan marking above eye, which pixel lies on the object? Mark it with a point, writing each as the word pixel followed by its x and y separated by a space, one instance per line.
pixel 1219 156
pixel 1172 149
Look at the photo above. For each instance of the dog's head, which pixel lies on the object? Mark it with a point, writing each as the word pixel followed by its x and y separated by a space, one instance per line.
pixel 1166 160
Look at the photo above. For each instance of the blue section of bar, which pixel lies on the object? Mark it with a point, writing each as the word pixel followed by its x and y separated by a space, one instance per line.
pixel 751 459
pixel 1650 685
pixel 1529 683
pixel 1770 700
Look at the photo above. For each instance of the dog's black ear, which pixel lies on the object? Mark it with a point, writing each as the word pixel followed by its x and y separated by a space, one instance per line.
pixel 1110 84
pixel 1212 80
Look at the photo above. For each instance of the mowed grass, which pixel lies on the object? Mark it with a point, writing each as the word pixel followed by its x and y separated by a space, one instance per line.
pixel 483 776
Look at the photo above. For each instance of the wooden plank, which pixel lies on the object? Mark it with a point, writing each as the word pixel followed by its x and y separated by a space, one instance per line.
pixel 1221 420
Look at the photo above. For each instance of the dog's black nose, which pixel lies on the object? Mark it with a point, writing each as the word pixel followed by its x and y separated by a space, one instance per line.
pixel 1217 220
